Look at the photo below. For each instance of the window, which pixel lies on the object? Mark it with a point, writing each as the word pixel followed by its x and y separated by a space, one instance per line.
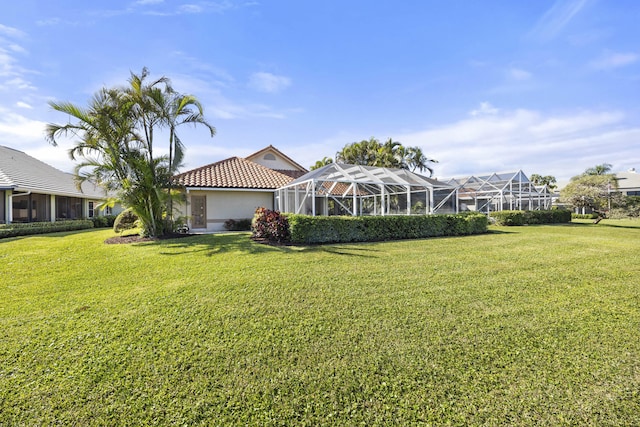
pixel 269 156
pixel 31 208
pixel 68 208
pixel 91 211
pixel 2 202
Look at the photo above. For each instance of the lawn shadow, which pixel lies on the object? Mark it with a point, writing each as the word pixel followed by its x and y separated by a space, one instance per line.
pixel 354 250
pixel 213 244
pixel 603 224
pixel 617 226
pixel 502 230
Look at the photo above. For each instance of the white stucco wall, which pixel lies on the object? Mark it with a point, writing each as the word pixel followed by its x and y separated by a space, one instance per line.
pixel 278 163
pixel 223 205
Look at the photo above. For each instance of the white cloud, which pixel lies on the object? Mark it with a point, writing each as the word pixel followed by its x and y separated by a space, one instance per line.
pixel 559 145
pixel 48 21
pixel 21 104
pixel 190 8
pixel 519 74
pixel 269 83
pixel 556 18
pixel 484 109
pixel 18 127
pixel 11 32
pixel 612 60
pixel 18 83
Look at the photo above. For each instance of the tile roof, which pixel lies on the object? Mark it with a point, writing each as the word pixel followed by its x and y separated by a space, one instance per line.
pixel 21 172
pixel 293 174
pixel 234 172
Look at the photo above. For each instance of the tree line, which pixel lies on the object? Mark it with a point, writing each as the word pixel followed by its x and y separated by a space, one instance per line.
pixel 387 154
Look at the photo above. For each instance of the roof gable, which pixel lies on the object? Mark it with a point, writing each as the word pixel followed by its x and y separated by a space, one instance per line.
pixel 234 172
pixel 275 159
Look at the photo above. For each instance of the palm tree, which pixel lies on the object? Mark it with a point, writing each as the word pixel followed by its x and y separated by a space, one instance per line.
pixel 390 154
pixel 414 159
pixel 116 143
pixel 321 163
pixel 181 110
pixel 602 169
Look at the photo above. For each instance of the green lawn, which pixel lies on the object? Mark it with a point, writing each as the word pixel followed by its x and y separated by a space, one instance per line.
pixel 535 325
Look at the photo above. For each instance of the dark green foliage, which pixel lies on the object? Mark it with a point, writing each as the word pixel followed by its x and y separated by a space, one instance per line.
pixel 126 220
pixel 270 225
pixel 553 216
pixel 13 230
pixel 335 229
pixel 105 221
pixel 626 207
pixel 584 216
pixel 237 225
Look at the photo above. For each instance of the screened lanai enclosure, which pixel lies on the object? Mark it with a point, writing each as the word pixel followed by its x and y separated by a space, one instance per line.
pixel 342 189
pixel 501 191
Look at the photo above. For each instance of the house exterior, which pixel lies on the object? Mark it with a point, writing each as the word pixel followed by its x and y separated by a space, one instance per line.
pixel 233 188
pixel 33 191
pixel 629 182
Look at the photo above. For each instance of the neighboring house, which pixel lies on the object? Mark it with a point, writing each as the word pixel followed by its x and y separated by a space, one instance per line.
pixel 629 182
pixel 33 191
pixel 233 188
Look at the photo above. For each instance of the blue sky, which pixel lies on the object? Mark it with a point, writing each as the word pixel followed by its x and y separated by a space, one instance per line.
pixel 547 86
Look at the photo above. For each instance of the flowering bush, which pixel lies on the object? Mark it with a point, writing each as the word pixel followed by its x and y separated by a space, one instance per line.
pixel 270 225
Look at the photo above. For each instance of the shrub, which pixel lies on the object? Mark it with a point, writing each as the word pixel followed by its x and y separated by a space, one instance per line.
pixel 105 221
pixel 237 225
pixel 270 225
pixel 626 207
pixel 307 229
pixel 25 229
pixel 126 220
pixel 584 216
pixel 553 216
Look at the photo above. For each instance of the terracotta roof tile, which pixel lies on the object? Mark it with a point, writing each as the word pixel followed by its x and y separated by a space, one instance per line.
pixel 292 173
pixel 234 172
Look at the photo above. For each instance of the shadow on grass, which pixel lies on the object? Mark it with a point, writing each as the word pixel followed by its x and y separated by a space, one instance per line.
pixel 353 249
pixel 604 223
pixel 214 244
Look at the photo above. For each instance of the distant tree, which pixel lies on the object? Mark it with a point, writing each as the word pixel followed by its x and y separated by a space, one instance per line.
pixel 390 154
pixel 414 158
pixel 591 191
pixel 602 169
pixel 321 163
pixel 548 180
pixel 365 152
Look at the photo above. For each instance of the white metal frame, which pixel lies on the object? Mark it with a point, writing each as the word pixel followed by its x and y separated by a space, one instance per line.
pixel 344 189
pixel 501 191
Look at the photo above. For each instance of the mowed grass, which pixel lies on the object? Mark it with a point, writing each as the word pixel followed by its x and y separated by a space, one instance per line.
pixel 535 325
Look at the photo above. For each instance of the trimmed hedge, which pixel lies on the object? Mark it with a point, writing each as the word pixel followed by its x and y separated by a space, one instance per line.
pixel 307 229
pixel 584 216
pixel 238 224
pixel 105 221
pixel 554 216
pixel 25 229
